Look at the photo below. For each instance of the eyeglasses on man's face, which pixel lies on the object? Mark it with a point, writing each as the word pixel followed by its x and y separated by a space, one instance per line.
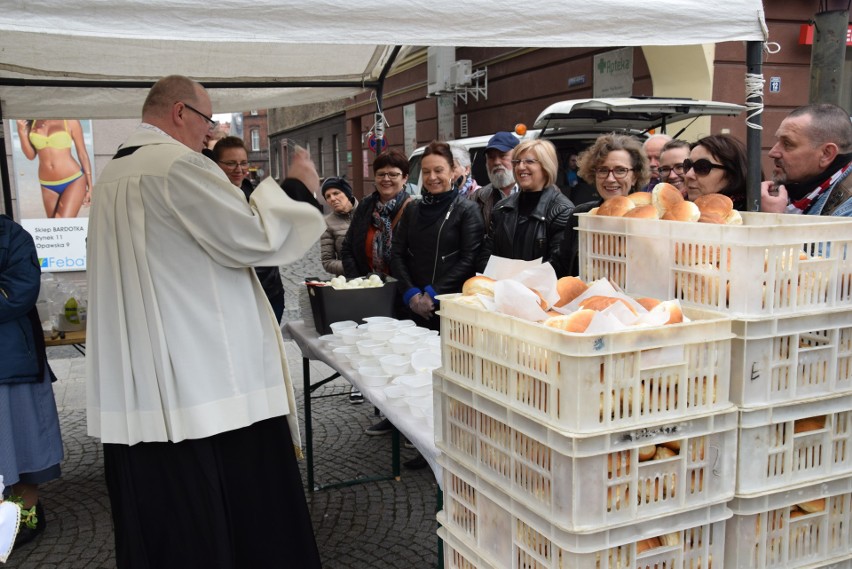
pixel 666 170
pixel 233 164
pixel 388 175
pixel 211 124
pixel 620 173
pixel 702 166
pixel 525 162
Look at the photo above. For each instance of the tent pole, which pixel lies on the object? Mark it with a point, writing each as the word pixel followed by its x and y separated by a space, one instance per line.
pixel 5 183
pixel 754 125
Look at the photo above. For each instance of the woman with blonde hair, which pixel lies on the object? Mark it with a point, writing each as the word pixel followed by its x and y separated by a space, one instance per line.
pixel 530 224
pixel 66 184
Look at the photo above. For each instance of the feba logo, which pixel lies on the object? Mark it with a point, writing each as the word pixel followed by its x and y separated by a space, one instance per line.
pixel 62 263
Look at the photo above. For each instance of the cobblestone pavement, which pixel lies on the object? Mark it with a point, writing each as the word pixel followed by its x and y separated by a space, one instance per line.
pixel 385 524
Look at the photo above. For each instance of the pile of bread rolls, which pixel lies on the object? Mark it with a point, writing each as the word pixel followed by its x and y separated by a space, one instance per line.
pixel 665 540
pixel 666 202
pixel 569 289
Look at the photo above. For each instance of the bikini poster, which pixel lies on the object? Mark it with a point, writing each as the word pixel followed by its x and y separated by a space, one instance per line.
pixel 53 173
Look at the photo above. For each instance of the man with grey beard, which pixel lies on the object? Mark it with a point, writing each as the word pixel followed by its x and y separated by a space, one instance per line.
pixel 813 163
pixel 498 161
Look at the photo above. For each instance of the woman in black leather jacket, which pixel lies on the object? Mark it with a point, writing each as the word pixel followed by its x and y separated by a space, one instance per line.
pixel 530 224
pixel 437 241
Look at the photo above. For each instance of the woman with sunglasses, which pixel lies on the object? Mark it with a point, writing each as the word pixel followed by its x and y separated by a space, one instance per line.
pixel 437 241
pixel 671 163
pixel 530 224
pixel 717 165
pixel 367 246
pixel 619 166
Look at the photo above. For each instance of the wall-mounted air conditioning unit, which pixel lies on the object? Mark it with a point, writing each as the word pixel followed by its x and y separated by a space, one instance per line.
pixel 439 63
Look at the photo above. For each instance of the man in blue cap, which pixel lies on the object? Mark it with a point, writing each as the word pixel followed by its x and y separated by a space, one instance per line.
pixel 498 162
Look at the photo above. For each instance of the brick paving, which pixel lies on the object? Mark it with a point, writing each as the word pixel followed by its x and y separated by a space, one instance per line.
pixel 386 524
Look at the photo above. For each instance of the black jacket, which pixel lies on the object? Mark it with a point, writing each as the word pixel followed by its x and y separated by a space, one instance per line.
pixel 353 252
pixel 440 256
pixel 270 277
pixel 570 245
pixel 550 220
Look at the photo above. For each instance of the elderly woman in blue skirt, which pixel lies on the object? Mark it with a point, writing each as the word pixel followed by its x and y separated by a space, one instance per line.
pixel 30 442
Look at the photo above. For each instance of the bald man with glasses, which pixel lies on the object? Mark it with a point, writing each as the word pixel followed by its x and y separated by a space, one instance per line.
pixel 188 385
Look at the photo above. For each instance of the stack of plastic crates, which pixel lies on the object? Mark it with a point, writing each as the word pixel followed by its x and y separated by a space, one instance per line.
pixel 787 282
pixel 591 451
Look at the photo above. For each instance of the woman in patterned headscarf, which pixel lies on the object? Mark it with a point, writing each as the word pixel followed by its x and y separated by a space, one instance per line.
pixel 367 247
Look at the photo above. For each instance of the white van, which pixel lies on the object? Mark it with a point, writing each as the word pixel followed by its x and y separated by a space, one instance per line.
pixel 574 125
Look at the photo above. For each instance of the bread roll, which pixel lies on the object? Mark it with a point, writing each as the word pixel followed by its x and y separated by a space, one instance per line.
pixel 576 322
pixel 663 453
pixel 734 218
pixel 718 204
pixel 640 198
pixel 599 303
pixel 647 452
pixel 541 302
pixel 665 196
pixel 812 506
pixel 480 284
pixel 643 212
pixel 648 303
pixel 797 513
pixel 646 544
pixel 616 497
pixel 673 445
pixel 683 211
pixel 809 424
pixel 568 289
pixel 618 464
pixel 675 313
pixel 670 539
pixel 616 207
pixel 711 218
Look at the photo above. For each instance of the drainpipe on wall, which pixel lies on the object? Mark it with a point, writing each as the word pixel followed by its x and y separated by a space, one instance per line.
pixel 828 56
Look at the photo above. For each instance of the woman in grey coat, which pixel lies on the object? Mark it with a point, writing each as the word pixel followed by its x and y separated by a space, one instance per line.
pixel 338 194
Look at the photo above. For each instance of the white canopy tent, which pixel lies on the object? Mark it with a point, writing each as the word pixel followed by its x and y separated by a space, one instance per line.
pixel 92 59
pixel 267 45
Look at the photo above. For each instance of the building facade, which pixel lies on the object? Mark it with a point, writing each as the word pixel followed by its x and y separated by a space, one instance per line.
pixel 521 82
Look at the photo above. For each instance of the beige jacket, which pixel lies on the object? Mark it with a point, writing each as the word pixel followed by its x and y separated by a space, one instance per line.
pixel 331 242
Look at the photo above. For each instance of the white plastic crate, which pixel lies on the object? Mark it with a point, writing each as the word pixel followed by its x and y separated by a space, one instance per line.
pixel 788 359
pixel 779 451
pixel 589 383
pixel 753 269
pixel 772 531
pixel 459 556
pixel 586 484
pixel 501 533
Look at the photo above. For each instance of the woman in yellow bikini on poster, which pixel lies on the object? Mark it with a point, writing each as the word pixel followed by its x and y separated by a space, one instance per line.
pixel 65 183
